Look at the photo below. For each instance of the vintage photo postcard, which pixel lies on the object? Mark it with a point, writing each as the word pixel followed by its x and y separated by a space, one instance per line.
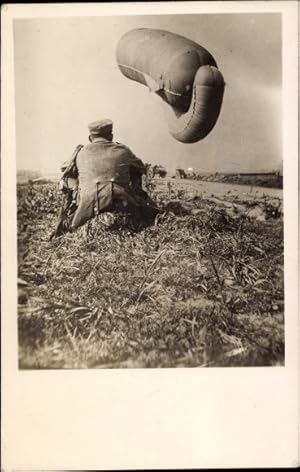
pixel 149 235
pixel 159 241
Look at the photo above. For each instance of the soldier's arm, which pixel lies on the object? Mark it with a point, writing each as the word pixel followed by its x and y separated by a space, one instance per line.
pixel 137 165
pixel 137 169
pixel 70 170
pixel 70 166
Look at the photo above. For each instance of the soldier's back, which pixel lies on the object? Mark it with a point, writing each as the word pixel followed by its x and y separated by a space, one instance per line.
pixel 104 161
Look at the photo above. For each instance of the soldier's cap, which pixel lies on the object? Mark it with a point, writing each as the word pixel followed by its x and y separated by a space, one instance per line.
pixel 100 127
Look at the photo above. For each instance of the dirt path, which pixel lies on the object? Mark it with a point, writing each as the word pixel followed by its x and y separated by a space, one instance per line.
pixel 225 190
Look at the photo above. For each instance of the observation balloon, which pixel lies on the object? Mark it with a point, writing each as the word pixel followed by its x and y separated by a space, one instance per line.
pixel 181 72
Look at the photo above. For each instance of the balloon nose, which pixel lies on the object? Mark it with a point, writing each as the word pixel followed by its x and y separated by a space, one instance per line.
pixel 209 76
pixel 204 109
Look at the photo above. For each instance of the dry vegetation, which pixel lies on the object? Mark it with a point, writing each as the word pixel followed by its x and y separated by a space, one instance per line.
pixel 203 286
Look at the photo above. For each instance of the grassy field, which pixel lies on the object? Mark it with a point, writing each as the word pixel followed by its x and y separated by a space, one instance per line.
pixel 201 287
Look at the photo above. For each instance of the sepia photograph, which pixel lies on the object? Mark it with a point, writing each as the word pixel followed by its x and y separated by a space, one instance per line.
pixel 149 241
pixel 149 191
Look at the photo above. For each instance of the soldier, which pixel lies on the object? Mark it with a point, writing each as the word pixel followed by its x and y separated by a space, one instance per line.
pixel 106 177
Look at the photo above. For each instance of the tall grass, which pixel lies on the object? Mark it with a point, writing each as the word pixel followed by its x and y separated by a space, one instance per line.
pixel 200 287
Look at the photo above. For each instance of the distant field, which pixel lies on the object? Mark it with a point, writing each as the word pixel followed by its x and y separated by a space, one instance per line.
pixel 263 180
pixel 203 287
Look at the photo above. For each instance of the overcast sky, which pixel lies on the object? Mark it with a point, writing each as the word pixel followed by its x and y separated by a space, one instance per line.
pixel 66 75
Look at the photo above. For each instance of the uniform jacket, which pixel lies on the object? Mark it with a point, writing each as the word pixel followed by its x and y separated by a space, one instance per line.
pixel 105 171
